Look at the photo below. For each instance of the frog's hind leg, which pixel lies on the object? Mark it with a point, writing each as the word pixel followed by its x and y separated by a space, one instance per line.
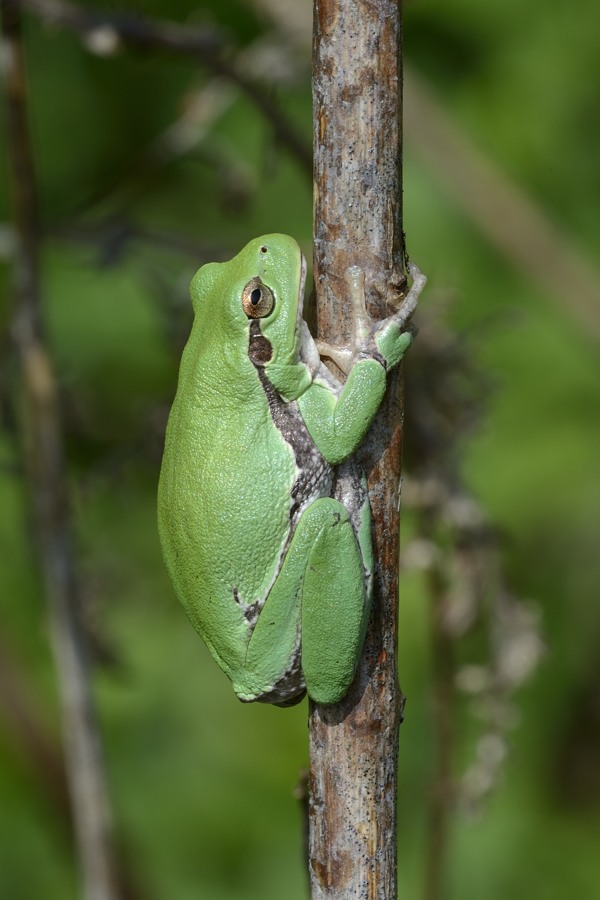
pixel 335 609
pixel 319 595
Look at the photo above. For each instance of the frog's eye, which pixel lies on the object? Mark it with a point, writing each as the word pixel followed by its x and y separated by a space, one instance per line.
pixel 257 299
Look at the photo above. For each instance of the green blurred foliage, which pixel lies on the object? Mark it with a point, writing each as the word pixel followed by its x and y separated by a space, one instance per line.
pixel 203 786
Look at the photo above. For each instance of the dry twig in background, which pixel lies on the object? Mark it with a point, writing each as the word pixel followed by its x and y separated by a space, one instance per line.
pixel 460 553
pixel 45 466
pixel 105 33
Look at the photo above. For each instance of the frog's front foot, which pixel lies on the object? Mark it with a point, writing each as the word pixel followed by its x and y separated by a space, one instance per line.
pixel 362 326
pixel 409 304
pixel 392 337
pixel 341 356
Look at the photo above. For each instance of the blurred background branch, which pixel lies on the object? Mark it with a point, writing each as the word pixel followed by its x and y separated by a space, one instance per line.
pixel 501 210
pixel 45 471
pixel 106 33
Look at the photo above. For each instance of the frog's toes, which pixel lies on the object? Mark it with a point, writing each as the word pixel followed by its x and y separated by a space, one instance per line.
pixel 341 356
pixel 361 321
pixel 409 304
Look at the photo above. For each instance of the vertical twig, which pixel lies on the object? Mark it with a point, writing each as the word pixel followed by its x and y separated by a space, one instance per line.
pixel 47 484
pixel 358 221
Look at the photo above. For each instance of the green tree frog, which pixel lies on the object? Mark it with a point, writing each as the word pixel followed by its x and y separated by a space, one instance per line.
pixel 263 517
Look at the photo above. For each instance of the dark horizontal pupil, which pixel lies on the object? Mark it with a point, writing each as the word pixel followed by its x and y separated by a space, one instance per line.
pixel 255 296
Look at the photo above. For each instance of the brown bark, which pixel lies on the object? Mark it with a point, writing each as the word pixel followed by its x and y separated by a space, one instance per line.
pixel 358 222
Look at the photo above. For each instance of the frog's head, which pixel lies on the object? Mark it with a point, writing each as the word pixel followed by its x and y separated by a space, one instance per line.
pixel 252 306
pixel 272 298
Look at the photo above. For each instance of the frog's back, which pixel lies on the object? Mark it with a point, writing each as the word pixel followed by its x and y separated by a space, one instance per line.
pixel 224 508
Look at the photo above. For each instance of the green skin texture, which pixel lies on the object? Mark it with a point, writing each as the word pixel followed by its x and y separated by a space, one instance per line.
pixel 225 489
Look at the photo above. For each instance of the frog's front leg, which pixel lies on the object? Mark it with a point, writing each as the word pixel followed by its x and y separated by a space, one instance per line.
pixel 315 615
pixel 338 418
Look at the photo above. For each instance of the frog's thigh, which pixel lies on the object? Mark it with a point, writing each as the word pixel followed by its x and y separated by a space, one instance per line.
pixel 334 609
pixel 320 587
